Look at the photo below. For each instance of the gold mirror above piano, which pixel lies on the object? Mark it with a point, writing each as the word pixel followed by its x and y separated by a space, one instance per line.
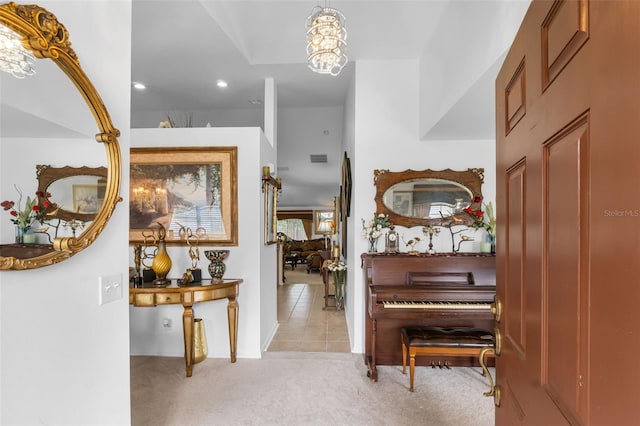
pixel 428 197
pixel 77 191
pixel 44 99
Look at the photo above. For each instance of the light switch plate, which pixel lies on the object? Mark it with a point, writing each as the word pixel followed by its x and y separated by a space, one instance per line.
pixel 110 288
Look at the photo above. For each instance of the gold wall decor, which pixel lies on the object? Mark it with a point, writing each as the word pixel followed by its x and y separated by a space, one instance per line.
pixel 428 197
pixel 47 38
pixel 270 187
pixel 185 187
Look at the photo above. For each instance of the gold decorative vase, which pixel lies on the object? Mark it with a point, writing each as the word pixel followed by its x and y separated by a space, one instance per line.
pixel 161 265
pixel 200 349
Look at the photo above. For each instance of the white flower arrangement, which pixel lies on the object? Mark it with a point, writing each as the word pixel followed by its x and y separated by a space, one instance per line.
pixel 373 229
pixel 337 266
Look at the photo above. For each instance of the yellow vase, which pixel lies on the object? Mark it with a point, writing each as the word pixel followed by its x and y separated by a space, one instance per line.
pixel 161 265
pixel 200 348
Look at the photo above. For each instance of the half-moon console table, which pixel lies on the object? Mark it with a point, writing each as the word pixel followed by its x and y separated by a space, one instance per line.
pixel 149 295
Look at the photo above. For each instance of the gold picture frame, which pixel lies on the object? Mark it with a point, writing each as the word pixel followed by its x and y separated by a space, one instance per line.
pixel 322 218
pixel 87 198
pixel 270 188
pixel 185 188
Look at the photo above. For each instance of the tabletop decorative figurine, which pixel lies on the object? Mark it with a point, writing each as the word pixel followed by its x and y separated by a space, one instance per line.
pixel 193 274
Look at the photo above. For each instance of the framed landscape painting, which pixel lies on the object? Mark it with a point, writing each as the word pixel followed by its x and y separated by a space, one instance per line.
pixel 182 189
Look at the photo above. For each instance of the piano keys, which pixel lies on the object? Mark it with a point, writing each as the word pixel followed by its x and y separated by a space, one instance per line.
pixel 425 290
pixel 434 306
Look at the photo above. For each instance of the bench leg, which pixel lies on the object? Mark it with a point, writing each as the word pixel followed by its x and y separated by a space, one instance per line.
pixel 412 368
pixel 485 370
pixel 404 357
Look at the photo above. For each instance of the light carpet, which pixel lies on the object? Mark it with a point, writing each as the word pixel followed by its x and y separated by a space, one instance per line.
pixel 290 388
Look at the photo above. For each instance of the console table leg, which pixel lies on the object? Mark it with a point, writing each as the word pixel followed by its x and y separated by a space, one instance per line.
pixel 187 329
pixel 232 314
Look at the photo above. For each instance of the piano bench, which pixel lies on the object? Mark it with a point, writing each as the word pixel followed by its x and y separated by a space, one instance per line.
pixel 446 342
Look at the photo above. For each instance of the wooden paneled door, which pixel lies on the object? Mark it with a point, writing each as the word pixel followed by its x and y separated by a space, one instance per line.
pixel 568 185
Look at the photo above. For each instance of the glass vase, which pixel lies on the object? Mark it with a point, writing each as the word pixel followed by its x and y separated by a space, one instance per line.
pixel 20 231
pixel 373 245
pixel 29 237
pixel 338 282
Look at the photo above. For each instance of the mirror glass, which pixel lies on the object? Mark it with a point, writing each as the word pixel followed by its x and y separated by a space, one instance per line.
pixel 428 197
pixel 53 117
pixel 77 194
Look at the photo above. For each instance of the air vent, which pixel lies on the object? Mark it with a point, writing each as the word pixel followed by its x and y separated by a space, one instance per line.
pixel 283 168
pixel 318 158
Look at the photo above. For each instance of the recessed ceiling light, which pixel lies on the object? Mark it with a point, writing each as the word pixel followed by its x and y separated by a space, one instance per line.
pixel 138 85
pixel 221 83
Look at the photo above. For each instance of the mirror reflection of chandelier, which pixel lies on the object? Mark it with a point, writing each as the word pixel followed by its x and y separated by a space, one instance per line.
pixel 326 40
pixel 14 58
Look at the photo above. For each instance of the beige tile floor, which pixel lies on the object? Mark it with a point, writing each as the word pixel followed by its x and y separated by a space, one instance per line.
pixel 303 324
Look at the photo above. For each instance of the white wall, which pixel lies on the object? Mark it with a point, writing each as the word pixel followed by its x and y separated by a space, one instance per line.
pixel 269 270
pixel 65 359
pixel 250 260
pixel 239 117
pixel 385 136
pixel 448 70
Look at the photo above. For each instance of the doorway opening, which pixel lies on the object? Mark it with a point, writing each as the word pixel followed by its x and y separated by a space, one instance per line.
pixel 304 323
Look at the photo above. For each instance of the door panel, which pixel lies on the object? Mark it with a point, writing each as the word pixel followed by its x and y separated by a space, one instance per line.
pixel 568 214
pixel 564 30
pixel 563 372
pixel 514 294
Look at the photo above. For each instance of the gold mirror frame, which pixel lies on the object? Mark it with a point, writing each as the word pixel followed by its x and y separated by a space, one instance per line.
pixel 47 38
pixel 471 179
pixel 48 175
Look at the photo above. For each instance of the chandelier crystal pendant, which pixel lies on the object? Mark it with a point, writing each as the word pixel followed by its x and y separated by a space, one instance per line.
pixel 14 58
pixel 326 40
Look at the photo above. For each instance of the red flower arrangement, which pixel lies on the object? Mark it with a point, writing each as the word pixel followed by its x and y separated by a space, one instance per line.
pixel 32 210
pixel 480 219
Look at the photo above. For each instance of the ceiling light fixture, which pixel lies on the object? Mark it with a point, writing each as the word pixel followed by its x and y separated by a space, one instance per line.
pixel 138 85
pixel 326 40
pixel 221 83
pixel 14 58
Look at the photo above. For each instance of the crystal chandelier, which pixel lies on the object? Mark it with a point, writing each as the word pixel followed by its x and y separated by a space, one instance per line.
pixel 14 58
pixel 326 41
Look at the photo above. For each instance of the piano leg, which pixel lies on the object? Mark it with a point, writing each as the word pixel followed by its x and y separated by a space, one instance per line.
pixel 373 371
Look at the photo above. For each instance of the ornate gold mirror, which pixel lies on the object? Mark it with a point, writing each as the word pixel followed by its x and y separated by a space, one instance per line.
pixel 428 197
pixel 77 192
pixel 42 36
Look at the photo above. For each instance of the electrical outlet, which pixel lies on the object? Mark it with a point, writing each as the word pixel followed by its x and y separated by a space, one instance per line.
pixel 110 288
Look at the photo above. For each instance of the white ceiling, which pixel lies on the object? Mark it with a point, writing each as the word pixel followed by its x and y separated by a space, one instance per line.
pixel 180 49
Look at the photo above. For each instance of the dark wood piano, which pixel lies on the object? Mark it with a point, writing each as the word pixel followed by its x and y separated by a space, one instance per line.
pixel 444 290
